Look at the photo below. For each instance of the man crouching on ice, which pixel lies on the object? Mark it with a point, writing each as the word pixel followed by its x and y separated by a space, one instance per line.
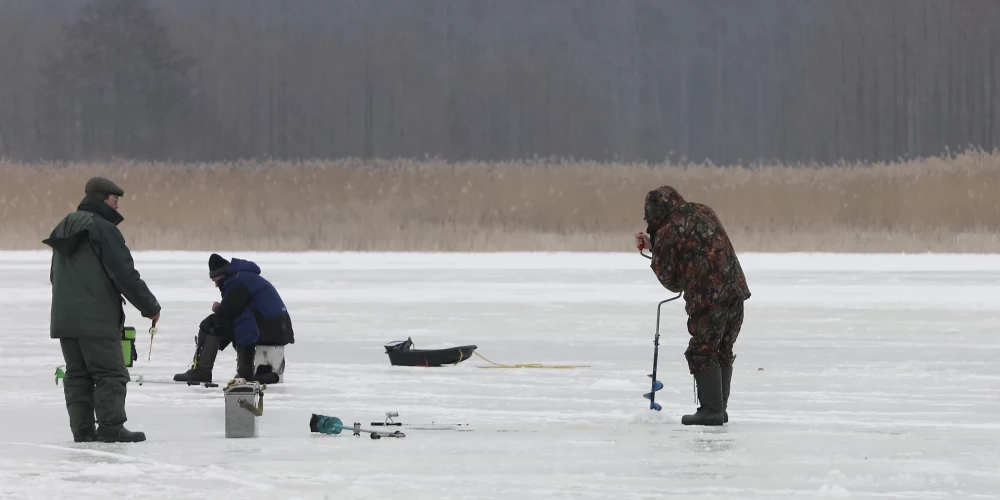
pixel 692 253
pixel 251 314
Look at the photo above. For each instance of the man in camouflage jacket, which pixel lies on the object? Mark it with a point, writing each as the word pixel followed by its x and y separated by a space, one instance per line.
pixel 691 253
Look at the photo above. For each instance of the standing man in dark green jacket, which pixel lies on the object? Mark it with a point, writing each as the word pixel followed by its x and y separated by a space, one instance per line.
pixel 92 269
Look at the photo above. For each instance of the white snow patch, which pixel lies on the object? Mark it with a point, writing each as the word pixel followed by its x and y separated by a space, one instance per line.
pixel 827 491
pixel 615 384
pixel 120 471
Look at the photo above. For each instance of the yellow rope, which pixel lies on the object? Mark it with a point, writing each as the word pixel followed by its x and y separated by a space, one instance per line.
pixel 527 365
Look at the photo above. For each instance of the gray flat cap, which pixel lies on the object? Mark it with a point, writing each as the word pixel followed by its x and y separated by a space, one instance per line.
pixel 102 187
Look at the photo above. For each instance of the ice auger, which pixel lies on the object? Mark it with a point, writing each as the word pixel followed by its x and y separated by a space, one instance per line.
pixel 656 384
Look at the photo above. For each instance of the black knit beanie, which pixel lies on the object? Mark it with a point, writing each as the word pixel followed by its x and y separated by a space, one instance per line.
pixel 217 265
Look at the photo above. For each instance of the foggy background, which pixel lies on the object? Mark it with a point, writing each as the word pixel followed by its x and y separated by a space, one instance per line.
pixel 725 80
pixel 504 124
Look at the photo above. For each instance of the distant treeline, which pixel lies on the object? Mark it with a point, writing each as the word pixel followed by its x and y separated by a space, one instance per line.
pixel 729 81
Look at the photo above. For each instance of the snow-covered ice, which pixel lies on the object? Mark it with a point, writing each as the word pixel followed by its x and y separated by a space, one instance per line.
pixel 858 376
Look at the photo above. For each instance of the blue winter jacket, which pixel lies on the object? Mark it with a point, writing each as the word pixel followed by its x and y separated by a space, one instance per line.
pixel 253 306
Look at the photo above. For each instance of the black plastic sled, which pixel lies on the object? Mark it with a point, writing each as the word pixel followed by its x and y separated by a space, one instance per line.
pixel 402 353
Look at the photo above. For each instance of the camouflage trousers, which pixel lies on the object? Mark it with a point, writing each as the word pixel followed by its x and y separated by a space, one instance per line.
pixel 713 329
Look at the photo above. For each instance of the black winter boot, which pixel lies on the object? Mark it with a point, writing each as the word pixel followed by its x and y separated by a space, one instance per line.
pixel 81 417
pixel 204 360
pixel 244 362
pixel 264 375
pixel 119 434
pixel 710 396
pixel 727 377
pixel 86 436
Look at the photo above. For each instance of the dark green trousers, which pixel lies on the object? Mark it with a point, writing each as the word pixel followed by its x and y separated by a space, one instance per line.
pixel 94 384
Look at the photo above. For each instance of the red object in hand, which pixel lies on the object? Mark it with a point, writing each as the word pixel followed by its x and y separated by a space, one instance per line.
pixel 641 242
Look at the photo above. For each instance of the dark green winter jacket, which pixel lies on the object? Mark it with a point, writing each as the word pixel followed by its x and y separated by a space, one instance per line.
pixel 92 269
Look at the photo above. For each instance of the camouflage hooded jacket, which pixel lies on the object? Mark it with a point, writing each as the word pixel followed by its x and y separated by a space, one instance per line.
pixel 691 250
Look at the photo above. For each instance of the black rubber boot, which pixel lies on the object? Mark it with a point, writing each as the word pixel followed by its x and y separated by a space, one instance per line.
pixel 204 360
pixel 264 374
pixel 81 417
pixel 244 362
pixel 727 377
pixel 86 436
pixel 710 397
pixel 119 434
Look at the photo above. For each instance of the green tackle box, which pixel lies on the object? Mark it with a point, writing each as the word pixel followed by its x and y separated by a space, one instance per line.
pixel 128 345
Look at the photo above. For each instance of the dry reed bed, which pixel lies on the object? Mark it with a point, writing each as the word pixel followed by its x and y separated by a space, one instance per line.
pixel 937 204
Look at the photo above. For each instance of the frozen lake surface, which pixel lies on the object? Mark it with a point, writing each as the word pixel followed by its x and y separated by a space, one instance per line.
pixel 856 377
